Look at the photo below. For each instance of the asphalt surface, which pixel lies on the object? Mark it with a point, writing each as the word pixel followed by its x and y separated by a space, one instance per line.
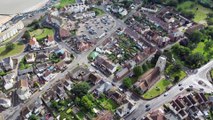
pixel 193 79
pixel 13 112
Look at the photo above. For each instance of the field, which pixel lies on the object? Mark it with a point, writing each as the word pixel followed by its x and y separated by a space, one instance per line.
pixel 40 34
pixel 199 11
pixel 19 47
pixel 64 3
pixel 159 88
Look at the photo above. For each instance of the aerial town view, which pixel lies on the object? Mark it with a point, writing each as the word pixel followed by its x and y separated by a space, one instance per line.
pixel 106 59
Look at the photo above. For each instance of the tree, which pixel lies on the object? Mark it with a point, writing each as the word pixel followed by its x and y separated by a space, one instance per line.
pixel 87 103
pixel 196 36
pixel 80 89
pixel 10 46
pixel 33 117
pixel 208 45
pixel 188 13
pixel 195 60
pixel 127 82
pixel 176 79
pixel 137 71
pixel 27 35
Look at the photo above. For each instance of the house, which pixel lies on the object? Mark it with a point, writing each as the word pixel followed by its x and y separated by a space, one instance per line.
pixel 148 79
pixel 82 46
pixel 4 101
pixel 174 107
pixel 41 67
pixel 125 109
pixel 116 95
pixel 49 41
pixel 193 28
pixel 42 57
pixel 34 44
pixel 156 115
pixel 61 65
pixel 68 85
pixel 103 88
pixel 37 106
pixel 23 90
pixel 9 80
pixel 67 57
pixel 64 34
pixel 7 64
pixel 48 75
pixel 94 78
pixel 60 91
pixel 105 66
pixel 120 74
pixel 26 113
pixel 30 58
pixel 104 115
pixel 48 96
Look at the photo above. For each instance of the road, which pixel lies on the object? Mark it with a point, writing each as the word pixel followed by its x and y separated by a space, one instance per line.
pixel 13 112
pixel 174 91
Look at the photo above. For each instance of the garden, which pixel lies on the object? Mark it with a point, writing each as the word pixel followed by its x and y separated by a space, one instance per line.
pixel 41 33
pixel 125 50
pixel 97 11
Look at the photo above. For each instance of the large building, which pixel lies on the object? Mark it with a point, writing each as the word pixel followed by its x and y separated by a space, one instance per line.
pixel 9 30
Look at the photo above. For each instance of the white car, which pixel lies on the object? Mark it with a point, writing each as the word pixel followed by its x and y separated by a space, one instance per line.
pixel 165 94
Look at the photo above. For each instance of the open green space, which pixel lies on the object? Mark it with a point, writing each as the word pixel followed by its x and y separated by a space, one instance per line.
pixel 18 49
pixel 64 3
pixel 200 12
pixel 97 11
pixel 159 88
pixel 40 34
pixel 107 104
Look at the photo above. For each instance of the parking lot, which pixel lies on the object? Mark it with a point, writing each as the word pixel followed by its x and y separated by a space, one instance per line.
pixel 96 28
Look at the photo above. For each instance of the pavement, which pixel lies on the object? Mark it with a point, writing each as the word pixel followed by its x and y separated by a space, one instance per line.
pixel 13 112
pixel 193 79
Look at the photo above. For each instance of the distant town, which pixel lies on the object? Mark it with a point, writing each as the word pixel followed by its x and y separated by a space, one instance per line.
pixel 106 60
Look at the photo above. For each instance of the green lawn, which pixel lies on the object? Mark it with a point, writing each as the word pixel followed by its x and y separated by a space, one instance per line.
pixel 40 34
pixel 98 12
pixel 159 88
pixel 107 104
pixel 19 48
pixel 199 11
pixel 64 3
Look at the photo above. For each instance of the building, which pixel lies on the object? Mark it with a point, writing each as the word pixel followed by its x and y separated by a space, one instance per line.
pixel 161 63
pixel 34 44
pixel 105 66
pixel 84 15
pixel 77 8
pixel 7 64
pixel 125 109
pixel 9 80
pixel 64 34
pixel 30 58
pixel 156 115
pixel 148 79
pixel 10 30
pixel 23 90
pixel 49 41
pixel 4 101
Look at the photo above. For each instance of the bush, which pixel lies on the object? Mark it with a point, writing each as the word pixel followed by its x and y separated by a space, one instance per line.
pixel 10 46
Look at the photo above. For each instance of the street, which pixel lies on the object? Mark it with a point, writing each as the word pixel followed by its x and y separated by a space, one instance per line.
pixel 174 92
